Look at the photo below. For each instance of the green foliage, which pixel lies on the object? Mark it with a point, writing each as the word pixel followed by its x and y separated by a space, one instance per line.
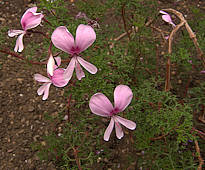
pixel 159 113
pixel 196 97
pixel 167 156
pixel 3 34
pixel 61 147
pixel 133 63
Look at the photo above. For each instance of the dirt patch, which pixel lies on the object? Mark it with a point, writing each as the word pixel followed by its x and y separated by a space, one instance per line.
pixel 22 111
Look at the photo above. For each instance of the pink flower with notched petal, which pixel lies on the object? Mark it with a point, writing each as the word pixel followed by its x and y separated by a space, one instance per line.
pixel 100 105
pixel 63 39
pixel 166 17
pixel 29 20
pixel 57 78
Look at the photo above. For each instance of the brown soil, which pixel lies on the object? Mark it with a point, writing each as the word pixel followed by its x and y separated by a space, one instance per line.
pixel 22 111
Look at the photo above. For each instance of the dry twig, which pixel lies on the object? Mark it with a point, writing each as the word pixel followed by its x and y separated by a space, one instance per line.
pixel 6 51
pixel 124 21
pixel 192 36
pixel 134 29
pixel 201 118
pixel 191 33
pixel 201 161
pixel 75 151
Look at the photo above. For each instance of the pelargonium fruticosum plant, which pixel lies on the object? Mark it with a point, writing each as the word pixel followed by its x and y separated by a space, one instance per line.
pixel 55 74
pixel 29 20
pixel 100 105
pixel 63 39
pixel 166 17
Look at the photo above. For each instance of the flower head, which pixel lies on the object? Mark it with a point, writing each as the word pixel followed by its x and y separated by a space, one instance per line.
pixel 100 105
pixel 166 17
pixel 57 78
pixel 29 20
pixel 63 39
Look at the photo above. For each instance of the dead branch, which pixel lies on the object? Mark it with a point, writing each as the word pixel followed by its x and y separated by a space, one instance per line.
pixel 134 29
pixel 201 119
pixel 20 57
pixel 198 131
pixel 168 75
pixel 124 21
pixel 191 33
pixel 6 51
pixel 75 152
pixel 201 161
pixel 159 137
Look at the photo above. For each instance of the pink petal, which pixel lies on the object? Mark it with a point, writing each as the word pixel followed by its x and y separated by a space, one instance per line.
pixel 127 123
pixel 41 78
pixel 88 66
pixel 19 44
pixel 118 129
pixel 85 36
pixel 172 24
pixel 12 33
pixel 122 97
pixel 58 61
pixel 203 71
pixel 69 70
pixel 41 89
pixel 109 130
pixel 166 37
pixel 58 78
pixel 162 12
pixel 31 20
pixel 100 105
pixel 50 65
pixel 33 9
pixel 63 39
pixel 190 61
pixel 46 92
pixel 44 89
pixel 79 71
pixel 167 18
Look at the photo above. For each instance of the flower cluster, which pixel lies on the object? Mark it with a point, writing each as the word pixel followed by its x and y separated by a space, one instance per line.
pixel 167 18
pixel 62 39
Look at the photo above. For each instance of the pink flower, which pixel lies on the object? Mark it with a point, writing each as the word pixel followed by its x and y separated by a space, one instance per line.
pixel 57 79
pixel 63 39
pixel 166 37
pixel 100 105
pixel 166 17
pixel 203 71
pixel 30 19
